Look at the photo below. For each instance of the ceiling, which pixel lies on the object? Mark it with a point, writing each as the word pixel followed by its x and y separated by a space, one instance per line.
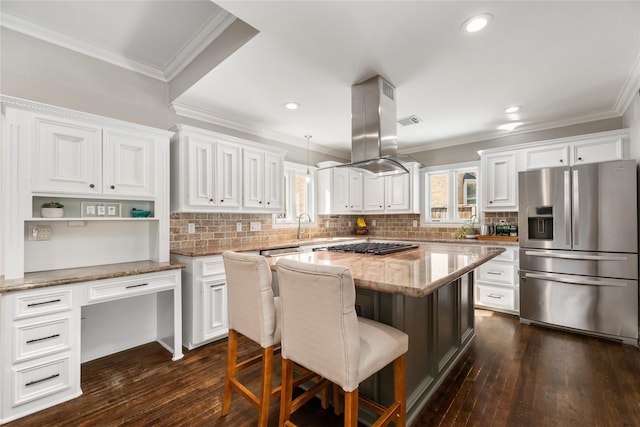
pixel 564 62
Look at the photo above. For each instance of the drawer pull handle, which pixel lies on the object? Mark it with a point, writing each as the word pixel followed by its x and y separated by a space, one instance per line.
pixel 136 286
pixel 53 301
pixel 495 296
pixel 42 380
pixel 495 273
pixel 43 338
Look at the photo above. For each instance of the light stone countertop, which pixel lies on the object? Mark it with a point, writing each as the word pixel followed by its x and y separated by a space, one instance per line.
pixel 218 250
pixel 66 276
pixel 414 273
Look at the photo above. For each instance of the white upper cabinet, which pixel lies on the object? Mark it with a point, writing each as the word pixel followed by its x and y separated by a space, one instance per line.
pixel 374 193
pixel 263 180
pixel 546 157
pixel 346 191
pixel 128 162
pixel 213 172
pixel 575 150
pixel 500 183
pixel 75 158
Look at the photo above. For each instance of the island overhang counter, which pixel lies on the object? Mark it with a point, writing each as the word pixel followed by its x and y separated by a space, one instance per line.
pixel 426 292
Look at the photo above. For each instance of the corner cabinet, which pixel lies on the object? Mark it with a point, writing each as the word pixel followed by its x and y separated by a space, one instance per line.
pixel 213 172
pixel 499 182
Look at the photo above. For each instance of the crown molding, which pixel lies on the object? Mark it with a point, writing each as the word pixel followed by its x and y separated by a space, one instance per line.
pixel 208 117
pixel 14 22
pixel 629 89
pixel 209 31
pixel 199 42
pixel 485 136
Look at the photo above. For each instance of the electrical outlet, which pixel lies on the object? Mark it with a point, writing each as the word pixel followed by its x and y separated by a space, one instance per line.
pixel 373 222
pixel 191 228
pixel 255 226
pixel 415 222
pixel 348 223
pixel 238 226
pixel 39 232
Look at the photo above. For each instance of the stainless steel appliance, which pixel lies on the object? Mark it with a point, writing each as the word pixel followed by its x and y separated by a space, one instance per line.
pixel 375 248
pixel 579 248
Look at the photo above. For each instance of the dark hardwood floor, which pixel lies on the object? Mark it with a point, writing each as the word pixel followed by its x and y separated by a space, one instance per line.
pixel 513 375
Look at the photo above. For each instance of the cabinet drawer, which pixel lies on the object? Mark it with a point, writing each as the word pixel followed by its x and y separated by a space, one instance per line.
pixel 129 286
pixel 510 255
pixel 37 381
pixel 498 272
pixel 36 303
pixel 41 338
pixel 493 296
pixel 209 266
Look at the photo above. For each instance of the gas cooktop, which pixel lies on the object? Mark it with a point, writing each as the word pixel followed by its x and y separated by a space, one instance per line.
pixel 374 248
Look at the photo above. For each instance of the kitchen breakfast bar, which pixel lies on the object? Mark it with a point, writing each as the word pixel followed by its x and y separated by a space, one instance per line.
pixel 426 292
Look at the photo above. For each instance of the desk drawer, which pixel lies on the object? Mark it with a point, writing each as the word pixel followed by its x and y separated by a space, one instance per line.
pixel 498 272
pixel 36 303
pixel 37 381
pixel 493 296
pixel 41 338
pixel 106 290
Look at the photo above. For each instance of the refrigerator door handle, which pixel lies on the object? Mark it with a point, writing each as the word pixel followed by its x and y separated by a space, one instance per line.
pixel 576 207
pixel 577 256
pixel 574 281
pixel 567 208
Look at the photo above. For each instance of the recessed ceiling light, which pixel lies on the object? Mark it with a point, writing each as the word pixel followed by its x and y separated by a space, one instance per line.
pixel 513 109
pixel 510 126
pixel 290 105
pixel 477 23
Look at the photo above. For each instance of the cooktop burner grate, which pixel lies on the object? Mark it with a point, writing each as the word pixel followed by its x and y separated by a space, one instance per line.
pixel 374 248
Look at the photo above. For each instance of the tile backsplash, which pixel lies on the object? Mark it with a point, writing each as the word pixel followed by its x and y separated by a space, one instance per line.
pixel 219 230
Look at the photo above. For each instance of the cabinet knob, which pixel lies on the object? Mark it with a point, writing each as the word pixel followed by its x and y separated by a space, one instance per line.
pixel 113 187
pixel 380 206
pixel 260 202
pixel 561 161
pixel 490 201
pixel 579 158
pixel 268 203
pixel 387 206
pixel 221 200
pixel 211 200
pixel 91 185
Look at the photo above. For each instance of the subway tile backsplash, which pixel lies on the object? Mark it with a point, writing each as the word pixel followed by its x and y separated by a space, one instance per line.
pixel 219 230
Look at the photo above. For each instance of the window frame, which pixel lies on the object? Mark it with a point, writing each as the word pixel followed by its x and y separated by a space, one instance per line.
pixel 451 170
pixel 288 182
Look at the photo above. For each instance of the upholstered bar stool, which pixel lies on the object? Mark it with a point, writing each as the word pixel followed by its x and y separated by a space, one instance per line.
pixel 254 313
pixel 321 331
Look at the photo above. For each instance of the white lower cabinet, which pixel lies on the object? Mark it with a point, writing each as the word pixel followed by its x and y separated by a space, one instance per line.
pixel 496 283
pixel 40 342
pixel 204 300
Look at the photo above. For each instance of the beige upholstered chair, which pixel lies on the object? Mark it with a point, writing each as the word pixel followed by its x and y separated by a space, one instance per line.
pixel 254 313
pixel 321 331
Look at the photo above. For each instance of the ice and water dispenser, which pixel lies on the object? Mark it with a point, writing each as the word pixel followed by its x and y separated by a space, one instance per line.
pixel 540 222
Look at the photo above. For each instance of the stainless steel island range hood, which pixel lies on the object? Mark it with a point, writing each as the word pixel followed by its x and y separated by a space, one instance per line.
pixel 374 145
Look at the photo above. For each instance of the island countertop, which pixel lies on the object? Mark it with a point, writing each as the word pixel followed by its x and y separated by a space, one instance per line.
pixel 414 273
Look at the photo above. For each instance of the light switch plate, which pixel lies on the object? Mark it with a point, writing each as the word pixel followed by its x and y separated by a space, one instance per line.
pixel 415 222
pixel 191 228
pixel 238 226
pixel 39 232
pixel 255 226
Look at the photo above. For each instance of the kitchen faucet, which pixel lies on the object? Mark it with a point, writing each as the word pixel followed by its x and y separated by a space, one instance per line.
pixel 299 219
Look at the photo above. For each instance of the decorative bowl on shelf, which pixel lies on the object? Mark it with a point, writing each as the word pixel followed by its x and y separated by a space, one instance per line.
pixel 137 213
pixel 51 212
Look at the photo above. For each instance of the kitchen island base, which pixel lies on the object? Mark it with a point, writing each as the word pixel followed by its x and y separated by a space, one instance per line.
pixel 440 328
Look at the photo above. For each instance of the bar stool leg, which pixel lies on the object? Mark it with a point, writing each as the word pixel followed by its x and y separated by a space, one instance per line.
pixel 232 355
pixel 265 389
pixel 351 408
pixel 399 388
pixel 286 392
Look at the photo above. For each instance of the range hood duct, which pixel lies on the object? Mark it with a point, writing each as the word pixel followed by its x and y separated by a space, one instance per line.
pixel 374 144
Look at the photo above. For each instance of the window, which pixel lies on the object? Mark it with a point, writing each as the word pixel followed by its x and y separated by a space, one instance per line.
pixel 298 196
pixel 451 193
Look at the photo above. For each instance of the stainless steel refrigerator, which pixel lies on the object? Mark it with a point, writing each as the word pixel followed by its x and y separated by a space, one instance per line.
pixel 578 231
